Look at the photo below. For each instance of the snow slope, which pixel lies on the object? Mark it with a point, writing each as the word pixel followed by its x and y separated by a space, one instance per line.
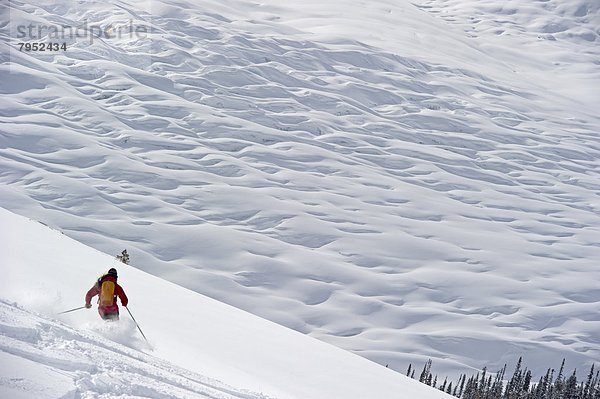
pixel 366 173
pixel 191 336
pixel 553 42
pixel 42 358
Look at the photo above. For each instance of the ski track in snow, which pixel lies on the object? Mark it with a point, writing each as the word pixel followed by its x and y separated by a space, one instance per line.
pixel 46 359
pixel 398 203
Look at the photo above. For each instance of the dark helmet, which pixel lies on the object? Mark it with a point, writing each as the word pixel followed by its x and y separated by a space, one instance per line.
pixel 112 272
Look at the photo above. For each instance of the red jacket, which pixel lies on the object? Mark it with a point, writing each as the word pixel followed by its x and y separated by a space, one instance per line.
pixel 95 290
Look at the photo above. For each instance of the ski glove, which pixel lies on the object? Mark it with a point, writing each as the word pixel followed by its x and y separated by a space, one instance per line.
pixel 88 305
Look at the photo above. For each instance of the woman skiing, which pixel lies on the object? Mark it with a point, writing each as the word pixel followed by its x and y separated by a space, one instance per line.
pixel 108 290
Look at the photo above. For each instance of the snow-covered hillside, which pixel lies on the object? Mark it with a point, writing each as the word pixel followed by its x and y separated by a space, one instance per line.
pixel 41 358
pixel 191 337
pixel 374 174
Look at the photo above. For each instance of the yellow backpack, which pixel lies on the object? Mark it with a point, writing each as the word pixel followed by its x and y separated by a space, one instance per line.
pixel 107 293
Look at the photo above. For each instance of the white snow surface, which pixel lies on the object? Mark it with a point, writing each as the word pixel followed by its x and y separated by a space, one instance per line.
pixel 77 355
pixel 403 180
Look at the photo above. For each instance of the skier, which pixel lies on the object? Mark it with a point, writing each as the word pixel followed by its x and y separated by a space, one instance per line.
pixel 107 290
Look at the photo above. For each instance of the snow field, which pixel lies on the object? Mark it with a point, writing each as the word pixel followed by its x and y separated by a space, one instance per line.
pixel 374 177
pixel 192 339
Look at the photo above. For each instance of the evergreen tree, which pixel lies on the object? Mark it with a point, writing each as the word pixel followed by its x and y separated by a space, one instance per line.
pixel 571 387
pixel 526 384
pixel 461 386
pixel 588 388
pixel 498 385
pixel 481 387
pixel 124 257
pixel 471 388
pixel 444 385
pixel 542 389
pixel 559 384
pixel 596 386
pixel 515 382
pixel 425 376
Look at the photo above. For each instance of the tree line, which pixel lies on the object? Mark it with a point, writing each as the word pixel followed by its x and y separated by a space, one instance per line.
pixel 521 385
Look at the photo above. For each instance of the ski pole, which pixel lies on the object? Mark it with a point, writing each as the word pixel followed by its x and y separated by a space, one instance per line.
pixel 137 325
pixel 72 310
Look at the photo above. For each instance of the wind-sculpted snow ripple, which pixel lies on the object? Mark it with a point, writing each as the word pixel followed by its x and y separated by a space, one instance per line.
pixel 366 193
